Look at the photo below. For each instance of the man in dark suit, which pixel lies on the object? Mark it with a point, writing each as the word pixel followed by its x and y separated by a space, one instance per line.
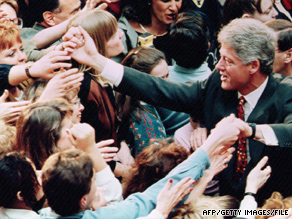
pixel 244 72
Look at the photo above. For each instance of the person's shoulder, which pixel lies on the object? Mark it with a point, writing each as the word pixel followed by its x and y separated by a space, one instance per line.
pixel 282 80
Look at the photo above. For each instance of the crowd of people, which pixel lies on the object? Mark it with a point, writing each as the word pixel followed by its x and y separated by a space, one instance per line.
pixel 145 109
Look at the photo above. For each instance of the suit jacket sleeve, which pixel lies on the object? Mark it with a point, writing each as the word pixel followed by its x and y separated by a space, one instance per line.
pixel 183 97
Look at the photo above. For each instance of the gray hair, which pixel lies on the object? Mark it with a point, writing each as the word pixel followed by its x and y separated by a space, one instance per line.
pixel 251 40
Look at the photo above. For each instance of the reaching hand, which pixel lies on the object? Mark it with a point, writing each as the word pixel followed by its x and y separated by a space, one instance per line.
pixel 220 159
pixel 82 136
pixel 62 83
pixel 170 196
pixel 85 51
pixel 10 111
pixel 108 153
pixel 198 137
pixel 258 177
pixel 46 66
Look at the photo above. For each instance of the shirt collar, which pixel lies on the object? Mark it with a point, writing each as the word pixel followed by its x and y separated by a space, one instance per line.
pixel 253 97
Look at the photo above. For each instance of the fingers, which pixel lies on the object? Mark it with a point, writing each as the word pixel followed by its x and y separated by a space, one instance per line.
pixel 105 143
pixel 4 96
pixel 108 149
pixel 102 6
pixel 262 163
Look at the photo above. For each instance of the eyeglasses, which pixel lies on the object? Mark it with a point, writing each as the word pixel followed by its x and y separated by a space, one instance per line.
pixel 18 22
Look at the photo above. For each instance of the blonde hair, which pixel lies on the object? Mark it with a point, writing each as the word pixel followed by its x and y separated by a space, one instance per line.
pixel 101 26
pixel 7 137
pixel 9 35
pixel 276 201
pixel 194 209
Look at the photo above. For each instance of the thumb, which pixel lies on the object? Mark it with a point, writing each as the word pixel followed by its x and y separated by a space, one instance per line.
pixel 4 96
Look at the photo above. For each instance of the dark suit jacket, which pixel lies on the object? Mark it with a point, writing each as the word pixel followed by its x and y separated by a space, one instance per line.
pixel 208 101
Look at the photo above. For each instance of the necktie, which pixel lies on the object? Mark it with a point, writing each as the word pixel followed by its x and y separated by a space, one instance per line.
pixel 241 148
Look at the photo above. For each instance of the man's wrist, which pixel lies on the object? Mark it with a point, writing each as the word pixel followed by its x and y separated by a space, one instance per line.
pixel 98 63
pixel 253 130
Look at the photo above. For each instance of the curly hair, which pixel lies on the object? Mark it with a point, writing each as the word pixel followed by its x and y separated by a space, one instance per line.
pixel 276 201
pixel 152 164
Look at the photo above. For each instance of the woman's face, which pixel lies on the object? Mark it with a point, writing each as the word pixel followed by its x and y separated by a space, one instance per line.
pixel 77 110
pixel 115 45
pixel 268 11
pixel 14 55
pixel 161 70
pixel 165 11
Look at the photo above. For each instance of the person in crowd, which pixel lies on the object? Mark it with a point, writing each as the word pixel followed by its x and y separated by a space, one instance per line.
pixel 20 187
pixel 96 94
pixel 262 10
pixel 283 54
pixel 41 130
pixel 190 53
pixel 14 68
pixel 145 23
pixel 139 121
pixel 138 204
pixel 44 128
pixel 152 164
pixel 243 73
pixel 48 13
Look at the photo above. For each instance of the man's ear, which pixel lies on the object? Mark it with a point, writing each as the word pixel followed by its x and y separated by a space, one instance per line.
pixel 288 56
pixel 246 15
pixel 49 18
pixel 19 196
pixel 83 202
pixel 254 66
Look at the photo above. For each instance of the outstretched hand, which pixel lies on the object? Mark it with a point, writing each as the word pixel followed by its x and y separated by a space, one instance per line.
pixel 62 83
pixel 170 196
pixel 82 136
pixel 258 176
pixel 10 111
pixel 85 51
pixel 46 66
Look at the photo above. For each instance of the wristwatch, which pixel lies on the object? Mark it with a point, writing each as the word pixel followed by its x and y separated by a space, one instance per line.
pixel 253 128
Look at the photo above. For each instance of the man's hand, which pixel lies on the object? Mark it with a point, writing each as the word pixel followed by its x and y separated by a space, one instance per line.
pixel 85 52
pixel 258 177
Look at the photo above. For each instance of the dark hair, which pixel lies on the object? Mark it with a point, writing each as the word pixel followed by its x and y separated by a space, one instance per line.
pixel 279 24
pixel 39 129
pixel 38 7
pixel 285 40
pixel 152 164
pixel 233 9
pixel 140 10
pixel 17 174
pixel 143 59
pixel 188 40
pixel 66 178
